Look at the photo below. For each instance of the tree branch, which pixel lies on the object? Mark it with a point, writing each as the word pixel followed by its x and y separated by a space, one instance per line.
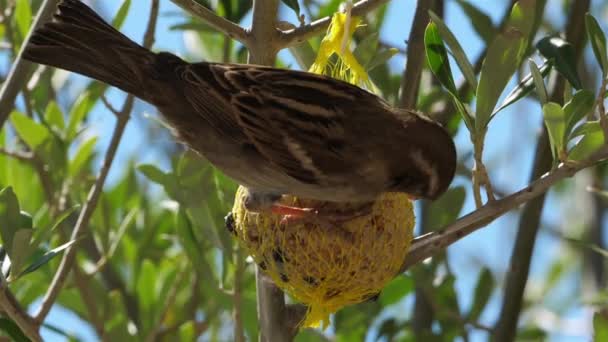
pixel 530 219
pixel 410 83
pixel 13 310
pixel 210 18
pixel 428 245
pixel 21 68
pixel 69 256
pixel 302 33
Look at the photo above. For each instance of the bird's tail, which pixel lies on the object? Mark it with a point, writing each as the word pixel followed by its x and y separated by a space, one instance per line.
pixel 79 40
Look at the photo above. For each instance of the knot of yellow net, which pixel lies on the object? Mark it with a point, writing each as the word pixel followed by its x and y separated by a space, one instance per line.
pixel 337 41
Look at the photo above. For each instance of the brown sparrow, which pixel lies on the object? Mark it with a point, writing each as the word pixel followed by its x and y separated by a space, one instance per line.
pixel 275 131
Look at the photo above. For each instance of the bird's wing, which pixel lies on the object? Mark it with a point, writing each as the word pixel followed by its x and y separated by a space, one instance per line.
pixel 294 119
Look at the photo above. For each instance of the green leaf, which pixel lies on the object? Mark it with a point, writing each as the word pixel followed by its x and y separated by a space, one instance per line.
pixel 43 234
pixel 32 132
pixel 48 256
pixel 447 207
pixel 505 54
pixel 590 143
pixel 54 116
pixel 585 128
pixel 396 290
pixel 482 23
pixel 459 56
pixel 82 156
pixel 555 120
pixel 304 54
pixel 598 41
pixel 563 56
pixel 366 48
pixel 16 229
pixel 12 330
pixel 23 16
pixel 524 87
pixel 437 58
pixel 600 327
pixel 294 5
pixel 153 173
pixel 121 15
pixel 539 83
pixel 20 250
pixel 483 291
pixel 439 64
pixel 79 109
pixel 381 58
pixel 578 107
pixel 10 216
pixel 146 281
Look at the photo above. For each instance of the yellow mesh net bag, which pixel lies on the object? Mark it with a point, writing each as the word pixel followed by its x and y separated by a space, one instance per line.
pixel 328 266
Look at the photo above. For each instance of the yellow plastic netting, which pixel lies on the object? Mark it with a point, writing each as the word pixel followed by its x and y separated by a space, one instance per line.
pixel 328 266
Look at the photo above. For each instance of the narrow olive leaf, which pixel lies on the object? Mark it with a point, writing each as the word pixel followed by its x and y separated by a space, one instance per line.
pixel 539 83
pixel 121 15
pixel 396 290
pixel 563 56
pixel 83 155
pixel 600 327
pixel 80 108
pixel 9 216
pixel 447 207
pixel 483 291
pixel 590 143
pixel 481 22
pixel 153 173
pixel 304 54
pixel 54 116
pixel 578 107
pixel 437 58
pixel 555 121
pixel 44 234
pixel 524 87
pixel 32 132
pixel 294 5
pixel 48 256
pixel 23 16
pixel 381 58
pixel 457 51
pixel 505 54
pixel 12 330
pixel 20 251
pixel 598 42
pixel 585 128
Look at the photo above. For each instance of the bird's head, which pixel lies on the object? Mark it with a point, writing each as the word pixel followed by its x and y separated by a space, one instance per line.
pixel 430 159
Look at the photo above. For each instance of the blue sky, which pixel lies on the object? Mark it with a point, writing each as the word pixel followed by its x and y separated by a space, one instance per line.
pixel 514 130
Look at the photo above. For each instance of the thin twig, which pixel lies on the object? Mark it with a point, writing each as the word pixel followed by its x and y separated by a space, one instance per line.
pixel 527 231
pixel 22 156
pixel 302 33
pixel 18 75
pixel 428 245
pixel 89 207
pixel 410 84
pixel 109 106
pixel 169 302
pixel 210 18
pixel 12 309
pixel 237 298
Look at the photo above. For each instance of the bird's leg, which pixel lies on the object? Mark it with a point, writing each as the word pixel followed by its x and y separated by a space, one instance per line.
pixel 331 217
pixel 261 201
